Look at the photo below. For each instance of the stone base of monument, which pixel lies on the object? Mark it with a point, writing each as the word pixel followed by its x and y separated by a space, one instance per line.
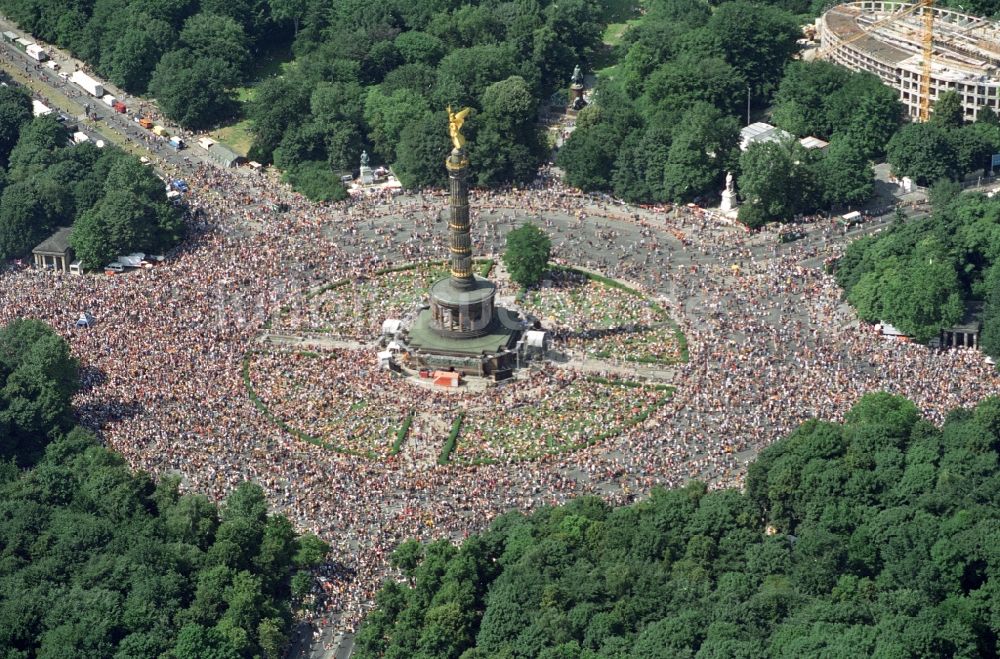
pixel 729 201
pixel 483 355
pixel 464 308
pixel 367 176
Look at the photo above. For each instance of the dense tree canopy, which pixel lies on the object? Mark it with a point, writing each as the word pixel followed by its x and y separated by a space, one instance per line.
pixel 921 275
pixel 869 538
pixel 97 561
pixel 38 377
pixel 665 127
pixel 378 78
pixel 114 203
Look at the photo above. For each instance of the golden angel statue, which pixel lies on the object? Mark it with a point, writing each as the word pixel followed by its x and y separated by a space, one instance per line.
pixel 455 121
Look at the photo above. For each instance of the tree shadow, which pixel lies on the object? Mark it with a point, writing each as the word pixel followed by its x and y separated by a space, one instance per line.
pixel 96 414
pixel 91 377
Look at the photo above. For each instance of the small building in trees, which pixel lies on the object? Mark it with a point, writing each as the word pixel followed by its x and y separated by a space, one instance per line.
pixel 223 156
pixel 54 253
pixel 964 334
pixel 759 131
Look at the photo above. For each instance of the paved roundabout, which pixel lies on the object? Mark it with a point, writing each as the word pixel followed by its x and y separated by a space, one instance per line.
pixel 332 394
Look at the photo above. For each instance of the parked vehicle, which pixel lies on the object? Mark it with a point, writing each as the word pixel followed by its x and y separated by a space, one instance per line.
pixel 39 109
pixel 176 143
pixel 87 84
pixel 36 52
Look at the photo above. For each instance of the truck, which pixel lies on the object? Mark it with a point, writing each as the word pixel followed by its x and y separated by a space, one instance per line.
pixel 36 52
pixel 119 107
pixel 39 109
pixel 9 37
pixel 80 138
pixel 87 84
pixel 175 143
pixel 22 44
pixel 109 100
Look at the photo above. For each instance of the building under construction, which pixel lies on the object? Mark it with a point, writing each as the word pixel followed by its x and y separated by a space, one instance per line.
pixel 888 39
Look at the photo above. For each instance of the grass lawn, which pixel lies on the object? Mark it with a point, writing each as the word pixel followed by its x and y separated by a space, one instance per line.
pixel 237 135
pixel 622 15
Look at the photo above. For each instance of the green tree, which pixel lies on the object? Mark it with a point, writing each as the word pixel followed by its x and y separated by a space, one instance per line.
pixel 29 213
pixel 800 104
pixel 589 155
pixel 756 40
pixel 316 181
pixel 702 148
pixel 289 10
pixel 679 84
pixel 388 114
pixel 423 147
pixel 990 338
pixel 507 146
pixel 845 173
pixel 39 377
pixel 777 181
pixel 526 255
pixel 15 112
pixel 194 90
pixel 278 107
pixel 947 111
pixel 219 37
pixel 923 152
pixel 38 146
pixel 130 61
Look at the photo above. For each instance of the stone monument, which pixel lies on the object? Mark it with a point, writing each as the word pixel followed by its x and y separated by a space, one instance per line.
pixel 462 329
pixel 729 198
pixel 367 175
pixel 576 86
pixel 462 304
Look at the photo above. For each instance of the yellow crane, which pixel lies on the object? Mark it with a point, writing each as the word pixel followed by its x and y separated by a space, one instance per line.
pixel 927 43
pixel 926 7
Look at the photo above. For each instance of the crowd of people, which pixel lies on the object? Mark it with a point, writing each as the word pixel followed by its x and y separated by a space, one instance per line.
pixel 770 345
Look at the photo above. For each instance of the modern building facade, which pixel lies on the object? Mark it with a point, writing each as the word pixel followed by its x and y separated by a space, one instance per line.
pixel 966 51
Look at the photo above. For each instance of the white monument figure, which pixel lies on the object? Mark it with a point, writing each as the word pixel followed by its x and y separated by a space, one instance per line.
pixel 729 200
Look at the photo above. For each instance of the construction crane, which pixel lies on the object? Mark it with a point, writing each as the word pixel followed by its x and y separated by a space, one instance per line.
pixel 926 42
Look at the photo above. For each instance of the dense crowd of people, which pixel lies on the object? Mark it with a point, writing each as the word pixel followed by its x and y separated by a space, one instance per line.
pixel 770 345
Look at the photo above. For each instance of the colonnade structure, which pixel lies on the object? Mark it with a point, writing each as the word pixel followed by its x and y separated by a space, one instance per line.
pixel 966 51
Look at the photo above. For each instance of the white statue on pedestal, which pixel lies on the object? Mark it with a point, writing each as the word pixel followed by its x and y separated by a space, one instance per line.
pixel 729 201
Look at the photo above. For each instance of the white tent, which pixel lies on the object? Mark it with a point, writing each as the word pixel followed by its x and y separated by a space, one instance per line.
pixel 85 320
pixel 535 339
pixel 390 326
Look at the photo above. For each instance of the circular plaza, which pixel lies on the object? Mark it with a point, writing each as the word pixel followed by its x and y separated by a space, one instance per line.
pixel 314 371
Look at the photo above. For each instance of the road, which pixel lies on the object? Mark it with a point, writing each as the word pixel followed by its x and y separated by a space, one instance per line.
pixel 113 127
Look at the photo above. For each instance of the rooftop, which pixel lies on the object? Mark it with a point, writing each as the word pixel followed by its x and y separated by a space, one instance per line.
pixel 57 243
pixel 762 132
pixel 965 46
